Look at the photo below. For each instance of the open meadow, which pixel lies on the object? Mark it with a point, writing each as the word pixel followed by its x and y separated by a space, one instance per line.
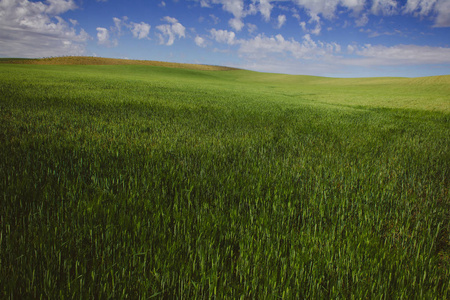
pixel 127 181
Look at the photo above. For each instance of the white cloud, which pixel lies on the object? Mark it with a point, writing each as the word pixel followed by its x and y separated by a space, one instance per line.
pixel 350 49
pixel 199 41
pixel 317 58
pixel 102 35
pixel 361 22
pixel 265 8
pixel 236 7
pixel 223 36
pixel 419 7
pixel 236 24
pixel 379 55
pixel 384 7
pixel 372 33
pixel 118 25
pixel 170 31
pixel 170 20
pixel 291 66
pixel 214 19
pixel 303 26
pixel 74 22
pixel 281 20
pixel 204 3
pixel 140 30
pixel 178 29
pixel 251 27
pixel 317 29
pixel 327 8
pixel 103 38
pixel 262 46
pixel 35 29
pixel 439 9
pixel 443 13
pixel 57 7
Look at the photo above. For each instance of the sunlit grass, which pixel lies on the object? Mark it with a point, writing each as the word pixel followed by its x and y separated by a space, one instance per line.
pixel 127 181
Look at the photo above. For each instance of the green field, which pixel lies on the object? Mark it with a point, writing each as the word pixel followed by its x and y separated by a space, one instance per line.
pixel 132 181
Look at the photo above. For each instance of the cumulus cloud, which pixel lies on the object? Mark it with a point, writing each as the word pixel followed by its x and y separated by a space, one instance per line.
pixel 108 37
pixel 328 8
pixel 269 54
pixel 199 41
pixel 439 9
pixel 140 30
pixel 102 35
pixel 170 31
pixel 443 13
pixel 204 3
pixel 236 24
pixel 57 7
pixel 103 38
pixel 262 46
pixel 350 49
pixel 265 9
pixel 35 29
pixel 281 21
pixel 251 27
pixel 118 25
pixel 362 21
pixel 170 20
pixel 223 36
pixel 384 7
pixel 239 11
pixel 236 7
pixel 317 29
pixel 214 19
pixel 378 55
pixel 419 7
pixel 317 10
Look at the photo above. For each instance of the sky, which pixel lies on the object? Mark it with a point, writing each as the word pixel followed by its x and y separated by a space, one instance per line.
pixel 335 38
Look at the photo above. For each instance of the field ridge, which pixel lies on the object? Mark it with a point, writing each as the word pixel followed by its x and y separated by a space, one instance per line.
pixel 90 60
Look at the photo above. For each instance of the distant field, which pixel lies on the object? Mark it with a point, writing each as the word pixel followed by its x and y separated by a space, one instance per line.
pixel 87 60
pixel 122 179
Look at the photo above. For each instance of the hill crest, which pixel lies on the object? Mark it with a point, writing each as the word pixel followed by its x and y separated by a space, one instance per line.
pixel 90 60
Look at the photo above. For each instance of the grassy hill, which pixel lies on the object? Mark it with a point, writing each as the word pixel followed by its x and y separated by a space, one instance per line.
pixel 96 61
pixel 426 93
pixel 138 181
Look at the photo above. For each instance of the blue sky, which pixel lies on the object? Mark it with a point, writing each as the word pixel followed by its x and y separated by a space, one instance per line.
pixel 338 38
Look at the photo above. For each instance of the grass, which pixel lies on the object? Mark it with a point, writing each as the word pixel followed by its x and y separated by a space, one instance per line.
pixel 126 181
pixel 88 60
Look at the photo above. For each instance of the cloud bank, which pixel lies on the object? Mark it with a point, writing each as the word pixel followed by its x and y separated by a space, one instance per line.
pixel 317 10
pixel 35 29
pixel 171 31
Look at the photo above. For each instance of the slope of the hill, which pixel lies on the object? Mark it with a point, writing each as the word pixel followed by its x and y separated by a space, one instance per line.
pixel 425 93
pixel 131 181
pixel 89 60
